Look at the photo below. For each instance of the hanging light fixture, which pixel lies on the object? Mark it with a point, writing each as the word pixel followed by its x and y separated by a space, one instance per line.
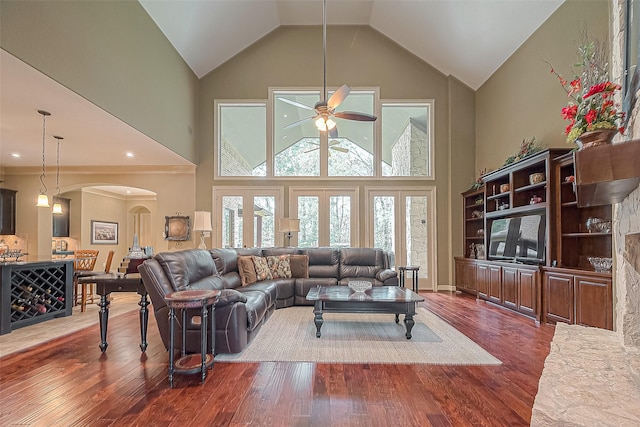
pixel 57 207
pixel 43 200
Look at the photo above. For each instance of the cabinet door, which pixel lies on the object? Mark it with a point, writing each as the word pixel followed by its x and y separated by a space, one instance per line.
pixel 510 287
pixel 593 302
pixel 7 211
pixel 482 280
pixel 470 276
pixel 495 284
pixel 558 297
pixel 527 291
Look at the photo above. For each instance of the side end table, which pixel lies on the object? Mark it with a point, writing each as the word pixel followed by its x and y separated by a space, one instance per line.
pixel 414 275
pixel 183 300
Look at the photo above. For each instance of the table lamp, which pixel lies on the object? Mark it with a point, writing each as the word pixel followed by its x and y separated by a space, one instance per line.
pixel 289 225
pixel 202 223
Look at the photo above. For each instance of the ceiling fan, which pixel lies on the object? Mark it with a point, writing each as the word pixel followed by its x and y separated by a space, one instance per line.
pixel 325 109
pixel 333 145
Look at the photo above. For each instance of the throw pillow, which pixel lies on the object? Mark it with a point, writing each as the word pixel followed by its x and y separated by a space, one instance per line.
pixel 299 266
pixel 262 268
pixel 279 266
pixel 247 270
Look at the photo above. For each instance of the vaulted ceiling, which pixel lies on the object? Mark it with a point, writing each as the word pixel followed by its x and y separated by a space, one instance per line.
pixel 468 39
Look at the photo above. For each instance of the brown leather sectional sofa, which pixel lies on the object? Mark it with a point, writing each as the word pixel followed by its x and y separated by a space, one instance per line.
pixel 243 309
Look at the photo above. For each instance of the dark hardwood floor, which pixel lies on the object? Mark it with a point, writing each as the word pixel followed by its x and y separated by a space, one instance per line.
pixel 69 382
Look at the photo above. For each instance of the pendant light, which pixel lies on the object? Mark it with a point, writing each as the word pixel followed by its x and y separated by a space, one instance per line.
pixel 57 207
pixel 43 200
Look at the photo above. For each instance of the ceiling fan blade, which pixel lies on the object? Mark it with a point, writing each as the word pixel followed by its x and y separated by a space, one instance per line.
pixel 296 103
pixel 341 149
pixel 333 142
pixel 333 133
pixel 350 115
pixel 298 122
pixel 338 96
pixel 311 149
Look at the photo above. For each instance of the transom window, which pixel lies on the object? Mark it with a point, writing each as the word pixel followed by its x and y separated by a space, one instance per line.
pixel 398 144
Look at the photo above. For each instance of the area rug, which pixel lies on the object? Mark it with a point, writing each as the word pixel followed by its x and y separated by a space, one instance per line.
pixel 290 336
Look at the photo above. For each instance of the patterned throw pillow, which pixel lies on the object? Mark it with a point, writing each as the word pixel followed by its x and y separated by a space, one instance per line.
pixel 280 266
pixel 247 270
pixel 262 268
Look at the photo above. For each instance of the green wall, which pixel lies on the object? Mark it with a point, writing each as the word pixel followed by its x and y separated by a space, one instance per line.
pixel 291 56
pixel 522 98
pixel 113 54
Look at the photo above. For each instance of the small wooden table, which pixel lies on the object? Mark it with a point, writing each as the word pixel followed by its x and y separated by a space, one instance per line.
pixel 414 275
pixel 379 299
pixel 116 282
pixel 184 300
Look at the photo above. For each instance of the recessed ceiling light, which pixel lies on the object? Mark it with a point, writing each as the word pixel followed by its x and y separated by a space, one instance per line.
pixel 128 191
pixel 130 154
pixel 16 155
pixel 285 116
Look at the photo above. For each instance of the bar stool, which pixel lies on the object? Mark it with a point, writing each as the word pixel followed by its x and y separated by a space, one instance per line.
pixel 184 300
pixel 414 275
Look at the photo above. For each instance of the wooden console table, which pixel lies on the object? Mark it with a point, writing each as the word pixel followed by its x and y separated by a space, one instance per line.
pixel 116 282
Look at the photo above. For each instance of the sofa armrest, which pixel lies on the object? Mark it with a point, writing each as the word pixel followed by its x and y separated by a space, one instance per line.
pixel 384 275
pixel 230 296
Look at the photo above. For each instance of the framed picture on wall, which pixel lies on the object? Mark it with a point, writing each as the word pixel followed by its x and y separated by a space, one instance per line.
pixel 104 233
pixel 177 228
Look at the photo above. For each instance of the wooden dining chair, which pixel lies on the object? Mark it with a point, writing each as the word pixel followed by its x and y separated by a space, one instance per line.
pixel 84 261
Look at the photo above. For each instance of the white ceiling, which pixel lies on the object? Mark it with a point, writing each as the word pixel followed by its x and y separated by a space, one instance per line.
pixel 468 39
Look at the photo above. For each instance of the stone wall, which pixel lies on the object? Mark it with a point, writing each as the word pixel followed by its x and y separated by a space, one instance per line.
pixel 626 214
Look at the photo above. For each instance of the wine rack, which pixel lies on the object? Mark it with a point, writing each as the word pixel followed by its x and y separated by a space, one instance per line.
pixel 33 292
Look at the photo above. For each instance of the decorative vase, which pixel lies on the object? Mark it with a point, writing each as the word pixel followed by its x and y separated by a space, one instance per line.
pixel 595 137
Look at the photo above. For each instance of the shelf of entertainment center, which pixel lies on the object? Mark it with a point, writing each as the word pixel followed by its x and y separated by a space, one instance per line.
pixel 517 210
pixel 530 187
pixel 586 234
pixel 498 196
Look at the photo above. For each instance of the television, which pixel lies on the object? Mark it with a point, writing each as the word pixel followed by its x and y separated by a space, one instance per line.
pixel 519 239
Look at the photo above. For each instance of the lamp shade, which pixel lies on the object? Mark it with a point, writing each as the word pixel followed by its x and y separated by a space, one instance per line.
pixel 43 201
pixel 289 224
pixel 202 221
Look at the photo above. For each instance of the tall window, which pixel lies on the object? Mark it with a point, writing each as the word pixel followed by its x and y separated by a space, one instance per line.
pixel 242 139
pixel 407 142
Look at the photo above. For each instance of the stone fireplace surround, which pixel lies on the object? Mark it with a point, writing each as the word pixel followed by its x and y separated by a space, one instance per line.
pixel 592 376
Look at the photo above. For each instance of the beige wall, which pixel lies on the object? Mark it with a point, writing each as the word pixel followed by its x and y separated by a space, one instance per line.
pixel 522 98
pixel 113 54
pixel 175 193
pixel 361 57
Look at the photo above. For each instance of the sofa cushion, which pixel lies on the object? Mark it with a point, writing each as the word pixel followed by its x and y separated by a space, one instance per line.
pixel 262 268
pixel 224 259
pixel 187 266
pixel 299 266
pixel 279 266
pixel 383 275
pixel 360 262
pixel 323 262
pixel 247 270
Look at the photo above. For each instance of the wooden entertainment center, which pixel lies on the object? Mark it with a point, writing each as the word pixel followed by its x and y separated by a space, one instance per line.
pixel 550 279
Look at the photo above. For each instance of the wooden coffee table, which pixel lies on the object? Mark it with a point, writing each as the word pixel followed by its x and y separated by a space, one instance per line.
pixel 379 299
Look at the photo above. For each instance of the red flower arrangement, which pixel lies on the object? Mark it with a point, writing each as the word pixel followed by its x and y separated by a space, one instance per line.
pixel 592 106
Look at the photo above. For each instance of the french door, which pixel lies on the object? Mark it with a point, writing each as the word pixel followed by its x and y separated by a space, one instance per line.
pixel 404 221
pixel 328 216
pixel 246 217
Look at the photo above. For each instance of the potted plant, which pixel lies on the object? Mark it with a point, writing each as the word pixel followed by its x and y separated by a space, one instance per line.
pixel 593 115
